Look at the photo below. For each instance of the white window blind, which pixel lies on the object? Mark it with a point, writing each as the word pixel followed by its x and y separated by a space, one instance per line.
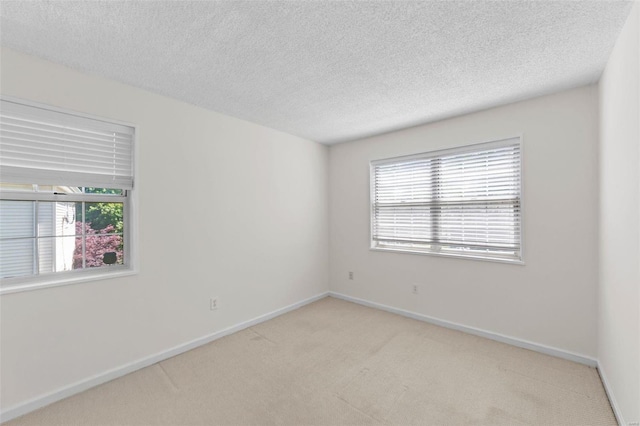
pixel 52 147
pixel 465 201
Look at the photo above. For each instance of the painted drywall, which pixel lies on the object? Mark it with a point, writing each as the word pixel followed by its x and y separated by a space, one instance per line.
pixel 619 289
pixel 551 300
pixel 226 208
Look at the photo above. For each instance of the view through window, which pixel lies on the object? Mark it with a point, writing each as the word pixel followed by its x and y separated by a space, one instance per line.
pixel 60 229
pixel 65 189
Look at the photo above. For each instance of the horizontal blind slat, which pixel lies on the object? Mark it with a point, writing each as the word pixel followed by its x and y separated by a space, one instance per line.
pixel 103 146
pixel 38 145
pixel 56 131
pixel 467 200
pixel 62 156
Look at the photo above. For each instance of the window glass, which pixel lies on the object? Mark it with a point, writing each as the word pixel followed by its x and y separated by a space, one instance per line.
pixel 463 201
pixel 64 196
pixel 39 236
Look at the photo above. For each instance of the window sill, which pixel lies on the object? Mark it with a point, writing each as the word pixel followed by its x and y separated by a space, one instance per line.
pixel 450 255
pixel 67 279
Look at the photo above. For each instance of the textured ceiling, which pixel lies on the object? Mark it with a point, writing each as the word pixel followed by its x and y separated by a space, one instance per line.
pixel 327 71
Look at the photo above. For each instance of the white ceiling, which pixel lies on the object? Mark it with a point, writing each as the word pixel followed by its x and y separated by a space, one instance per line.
pixel 324 70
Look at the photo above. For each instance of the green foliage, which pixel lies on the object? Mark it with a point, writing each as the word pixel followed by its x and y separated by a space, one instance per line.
pixel 102 215
pixel 110 191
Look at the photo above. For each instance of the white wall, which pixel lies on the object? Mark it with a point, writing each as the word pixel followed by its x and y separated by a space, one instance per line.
pixel 551 300
pixel 227 208
pixel 619 290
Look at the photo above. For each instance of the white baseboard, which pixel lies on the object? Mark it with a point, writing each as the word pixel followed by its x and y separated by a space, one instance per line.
pixel 548 350
pixel 612 399
pixel 98 379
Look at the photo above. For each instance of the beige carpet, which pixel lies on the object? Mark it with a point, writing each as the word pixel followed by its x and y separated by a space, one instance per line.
pixel 338 363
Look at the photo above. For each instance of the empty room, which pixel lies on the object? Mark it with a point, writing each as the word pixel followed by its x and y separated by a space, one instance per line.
pixel 320 212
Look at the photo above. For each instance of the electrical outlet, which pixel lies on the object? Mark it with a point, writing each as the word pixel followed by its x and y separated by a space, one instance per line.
pixel 415 289
pixel 350 275
pixel 213 303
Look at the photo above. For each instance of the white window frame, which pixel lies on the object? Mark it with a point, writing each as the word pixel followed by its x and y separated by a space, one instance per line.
pixel 130 220
pixel 441 152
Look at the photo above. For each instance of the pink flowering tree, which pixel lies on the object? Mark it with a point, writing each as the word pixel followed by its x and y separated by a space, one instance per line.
pixel 96 245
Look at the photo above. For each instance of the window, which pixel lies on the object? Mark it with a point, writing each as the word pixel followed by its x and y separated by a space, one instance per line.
pixel 65 190
pixel 462 202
